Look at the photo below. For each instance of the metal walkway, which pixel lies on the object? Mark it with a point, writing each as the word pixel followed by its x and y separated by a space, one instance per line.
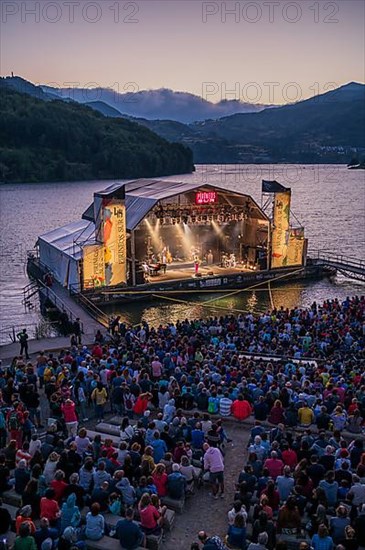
pixel 348 266
pixel 90 321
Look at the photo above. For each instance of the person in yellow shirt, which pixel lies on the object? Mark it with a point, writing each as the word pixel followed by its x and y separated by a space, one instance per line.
pixel 99 396
pixel 305 415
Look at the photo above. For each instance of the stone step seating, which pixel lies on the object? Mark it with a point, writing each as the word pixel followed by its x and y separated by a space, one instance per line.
pixel 117 420
pixel 104 427
pixel 106 543
pixel 12 498
pixel 109 543
pixel 177 505
pixel 11 509
pixel 169 519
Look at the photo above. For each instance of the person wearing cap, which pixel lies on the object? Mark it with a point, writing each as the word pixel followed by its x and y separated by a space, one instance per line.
pixel 25 515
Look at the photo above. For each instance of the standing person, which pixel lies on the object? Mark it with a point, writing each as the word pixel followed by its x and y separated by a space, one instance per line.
pixel 196 264
pixel 23 339
pixel 213 463
pixel 69 414
pixel 99 396
pixel 15 419
pixel 76 326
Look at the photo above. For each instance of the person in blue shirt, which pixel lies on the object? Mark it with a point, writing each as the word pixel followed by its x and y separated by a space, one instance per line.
pixel 159 447
pixel 322 540
pixel 129 533
pixel 197 437
pixel 95 523
pixel 236 535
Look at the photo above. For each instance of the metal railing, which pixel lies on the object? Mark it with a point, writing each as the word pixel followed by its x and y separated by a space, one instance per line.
pixel 58 302
pixel 93 310
pixel 43 329
pixel 332 257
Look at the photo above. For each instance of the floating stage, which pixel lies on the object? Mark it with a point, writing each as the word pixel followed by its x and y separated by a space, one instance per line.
pixel 147 238
pixel 221 281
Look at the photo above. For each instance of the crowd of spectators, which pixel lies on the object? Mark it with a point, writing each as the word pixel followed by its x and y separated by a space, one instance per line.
pixel 174 385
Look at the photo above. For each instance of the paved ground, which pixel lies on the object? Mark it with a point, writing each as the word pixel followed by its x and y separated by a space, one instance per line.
pixel 201 510
pixel 9 351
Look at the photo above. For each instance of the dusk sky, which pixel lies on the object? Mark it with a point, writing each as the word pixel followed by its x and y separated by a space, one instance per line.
pixel 199 47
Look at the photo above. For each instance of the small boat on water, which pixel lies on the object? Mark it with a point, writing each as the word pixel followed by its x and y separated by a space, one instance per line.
pixel 357 166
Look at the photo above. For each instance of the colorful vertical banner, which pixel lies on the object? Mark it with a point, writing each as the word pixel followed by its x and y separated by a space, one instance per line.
pixel 280 233
pixel 93 266
pixel 114 237
pixel 296 247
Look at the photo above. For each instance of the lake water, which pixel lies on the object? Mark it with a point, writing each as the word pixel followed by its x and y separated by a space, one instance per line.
pixel 329 200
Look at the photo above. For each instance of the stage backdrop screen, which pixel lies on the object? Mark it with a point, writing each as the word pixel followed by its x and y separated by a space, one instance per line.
pixel 93 266
pixel 280 233
pixel 114 237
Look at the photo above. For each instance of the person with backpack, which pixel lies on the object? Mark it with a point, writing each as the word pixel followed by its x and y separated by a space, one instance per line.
pixel 15 420
pixel 23 339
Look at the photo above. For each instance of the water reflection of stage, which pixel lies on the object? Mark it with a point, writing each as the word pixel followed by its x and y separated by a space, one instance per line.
pixel 186 270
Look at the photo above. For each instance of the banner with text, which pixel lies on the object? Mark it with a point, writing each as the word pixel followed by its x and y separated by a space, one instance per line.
pixel 296 247
pixel 114 237
pixel 280 233
pixel 93 266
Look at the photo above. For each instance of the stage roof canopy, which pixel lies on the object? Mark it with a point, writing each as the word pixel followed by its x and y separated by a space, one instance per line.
pixel 70 238
pixel 143 194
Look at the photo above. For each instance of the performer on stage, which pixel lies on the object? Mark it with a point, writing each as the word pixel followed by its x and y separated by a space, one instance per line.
pixel 210 258
pixel 196 264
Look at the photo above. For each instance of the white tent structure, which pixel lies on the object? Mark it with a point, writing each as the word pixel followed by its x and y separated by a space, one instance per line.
pixel 60 250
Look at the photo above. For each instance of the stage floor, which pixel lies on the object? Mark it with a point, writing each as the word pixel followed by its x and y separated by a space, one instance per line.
pixel 187 271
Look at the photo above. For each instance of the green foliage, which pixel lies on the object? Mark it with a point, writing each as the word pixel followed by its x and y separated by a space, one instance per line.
pixel 58 141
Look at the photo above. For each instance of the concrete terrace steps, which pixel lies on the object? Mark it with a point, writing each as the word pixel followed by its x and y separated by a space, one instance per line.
pixel 12 498
pixel 248 422
pixel 104 427
pixel 109 543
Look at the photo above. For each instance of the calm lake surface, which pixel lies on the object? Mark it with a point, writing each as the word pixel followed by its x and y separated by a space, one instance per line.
pixel 329 200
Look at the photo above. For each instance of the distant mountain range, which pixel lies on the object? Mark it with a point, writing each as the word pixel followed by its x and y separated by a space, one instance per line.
pixel 324 129
pixel 158 104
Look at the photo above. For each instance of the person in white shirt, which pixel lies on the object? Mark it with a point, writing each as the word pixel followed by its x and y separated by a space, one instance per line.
pixel 238 508
pixel 225 405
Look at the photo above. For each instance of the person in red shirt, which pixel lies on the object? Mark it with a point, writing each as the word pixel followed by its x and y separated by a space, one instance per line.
pixel 70 417
pixel 274 464
pixel 150 516
pixel 58 485
pixel 141 404
pixel 49 507
pixel 108 447
pixel 97 351
pixel 160 479
pixel 289 457
pixel 25 515
pixel 241 408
